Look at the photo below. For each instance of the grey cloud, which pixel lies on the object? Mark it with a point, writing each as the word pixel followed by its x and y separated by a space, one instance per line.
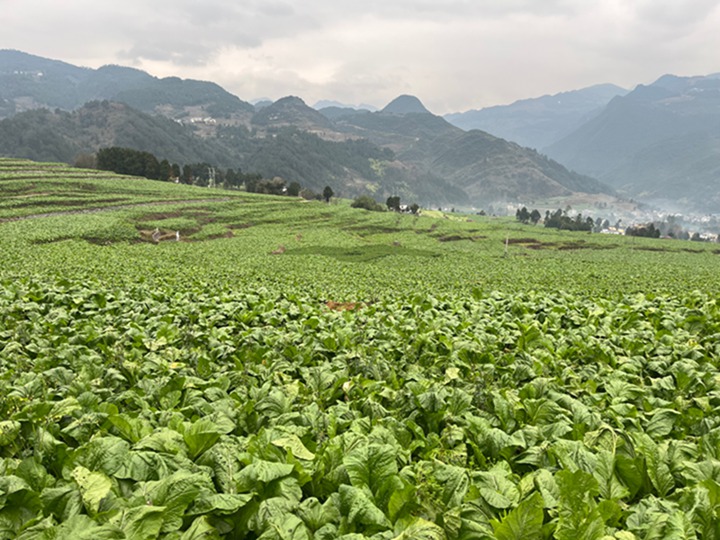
pixel 673 13
pixel 453 9
pixel 453 53
pixel 190 33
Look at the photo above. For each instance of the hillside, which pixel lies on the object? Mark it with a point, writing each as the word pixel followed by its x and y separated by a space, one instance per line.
pixel 405 104
pixel 487 168
pixel 60 220
pixel 30 82
pixel 430 161
pixel 658 142
pixel 539 122
pixel 493 169
pixel 57 135
pixel 351 167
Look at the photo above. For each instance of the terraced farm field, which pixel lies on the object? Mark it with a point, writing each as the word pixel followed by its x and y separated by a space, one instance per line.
pixel 180 362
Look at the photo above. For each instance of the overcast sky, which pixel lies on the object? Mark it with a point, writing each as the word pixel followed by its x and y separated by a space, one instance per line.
pixel 453 54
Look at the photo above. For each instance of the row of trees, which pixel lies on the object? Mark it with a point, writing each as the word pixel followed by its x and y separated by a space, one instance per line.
pixel 139 163
pixel 556 220
pixel 392 204
pixel 647 231
pixel 560 220
pixel 524 216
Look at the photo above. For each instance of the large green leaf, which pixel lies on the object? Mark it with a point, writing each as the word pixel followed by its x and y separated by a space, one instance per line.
pixel 140 522
pixel 94 488
pixel 106 454
pixel 9 430
pixel 679 527
pixel 522 523
pixel 62 502
pixel 205 432
pixel 295 445
pixel 497 489
pixel 657 469
pixel 219 503
pixel 81 527
pixel 289 528
pixel 200 529
pixel 579 518
pixel 132 429
pixel 369 466
pixel 261 471
pixel 175 493
pixel 421 529
pixel 608 483
pixel 358 508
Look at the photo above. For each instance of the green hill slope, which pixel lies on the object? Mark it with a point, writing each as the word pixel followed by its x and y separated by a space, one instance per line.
pixel 57 220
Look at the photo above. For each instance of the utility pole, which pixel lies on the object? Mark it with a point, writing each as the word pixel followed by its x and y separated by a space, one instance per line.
pixel 211 177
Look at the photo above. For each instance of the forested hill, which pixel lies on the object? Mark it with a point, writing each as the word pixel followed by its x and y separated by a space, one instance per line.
pixel 351 166
pixel 401 150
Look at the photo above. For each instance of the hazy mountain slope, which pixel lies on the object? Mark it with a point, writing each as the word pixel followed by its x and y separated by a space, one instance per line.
pixel 406 150
pixel 335 113
pixel 350 167
pixel 659 141
pixel 539 122
pixel 411 135
pixel 679 173
pixel 487 168
pixel 28 82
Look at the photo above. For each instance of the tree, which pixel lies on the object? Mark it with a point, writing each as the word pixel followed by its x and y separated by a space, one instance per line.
pixel 165 170
pixel 276 186
pixel 368 203
pixel 535 216
pixel 187 174
pixel 328 193
pixel 393 203
pixel 128 161
pixel 414 208
pixel 293 189
pixel 522 215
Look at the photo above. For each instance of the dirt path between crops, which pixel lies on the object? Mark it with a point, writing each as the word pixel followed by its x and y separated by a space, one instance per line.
pixel 112 208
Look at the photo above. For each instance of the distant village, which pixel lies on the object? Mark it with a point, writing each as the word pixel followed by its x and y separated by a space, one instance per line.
pixel 638 222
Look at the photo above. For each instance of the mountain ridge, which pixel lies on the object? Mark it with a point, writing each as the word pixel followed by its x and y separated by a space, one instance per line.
pixel 538 122
pixel 658 142
pixel 406 150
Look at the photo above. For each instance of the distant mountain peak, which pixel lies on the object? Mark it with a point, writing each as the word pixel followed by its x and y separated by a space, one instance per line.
pixel 290 111
pixel 290 100
pixel 405 104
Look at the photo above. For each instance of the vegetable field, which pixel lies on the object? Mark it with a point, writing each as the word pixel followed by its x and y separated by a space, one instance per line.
pixel 381 376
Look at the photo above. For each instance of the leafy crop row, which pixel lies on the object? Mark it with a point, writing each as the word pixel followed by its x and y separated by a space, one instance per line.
pixel 145 412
